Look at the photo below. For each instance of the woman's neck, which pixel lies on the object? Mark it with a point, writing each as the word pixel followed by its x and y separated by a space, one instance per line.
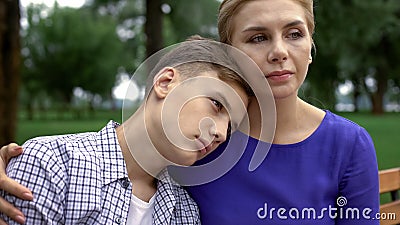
pixel 295 120
pixel 288 120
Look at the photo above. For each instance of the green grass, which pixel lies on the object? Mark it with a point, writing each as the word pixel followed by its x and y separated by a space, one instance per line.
pixel 50 125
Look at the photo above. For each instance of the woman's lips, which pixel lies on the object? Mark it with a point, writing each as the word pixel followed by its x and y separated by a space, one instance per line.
pixel 280 75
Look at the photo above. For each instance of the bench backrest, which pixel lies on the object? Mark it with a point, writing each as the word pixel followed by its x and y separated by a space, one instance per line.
pixel 389 181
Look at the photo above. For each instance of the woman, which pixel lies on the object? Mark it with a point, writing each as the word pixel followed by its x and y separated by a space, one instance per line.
pixel 321 168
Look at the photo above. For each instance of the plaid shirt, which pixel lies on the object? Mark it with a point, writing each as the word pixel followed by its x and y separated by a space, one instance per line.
pixel 82 179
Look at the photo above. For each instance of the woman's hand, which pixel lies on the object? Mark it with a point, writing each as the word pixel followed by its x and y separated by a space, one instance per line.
pixel 11 186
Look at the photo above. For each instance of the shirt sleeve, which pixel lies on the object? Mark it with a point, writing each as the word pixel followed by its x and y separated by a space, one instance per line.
pixel 40 170
pixel 358 202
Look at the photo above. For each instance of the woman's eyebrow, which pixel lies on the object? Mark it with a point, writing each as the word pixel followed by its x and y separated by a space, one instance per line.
pixel 255 28
pixel 262 28
pixel 294 23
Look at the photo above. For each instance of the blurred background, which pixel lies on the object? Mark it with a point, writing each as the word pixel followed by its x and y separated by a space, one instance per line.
pixel 65 65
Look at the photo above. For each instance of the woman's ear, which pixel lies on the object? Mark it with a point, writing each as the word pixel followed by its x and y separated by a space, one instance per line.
pixel 165 81
pixel 313 52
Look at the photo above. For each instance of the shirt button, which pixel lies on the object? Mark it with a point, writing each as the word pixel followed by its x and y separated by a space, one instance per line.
pixel 117 220
pixel 125 183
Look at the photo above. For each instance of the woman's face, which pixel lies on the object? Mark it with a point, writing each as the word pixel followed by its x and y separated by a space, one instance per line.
pixel 274 34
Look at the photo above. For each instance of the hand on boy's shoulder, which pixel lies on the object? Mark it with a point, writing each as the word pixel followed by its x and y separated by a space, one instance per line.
pixel 10 186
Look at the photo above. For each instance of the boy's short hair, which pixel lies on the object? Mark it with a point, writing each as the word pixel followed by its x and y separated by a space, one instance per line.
pixel 197 55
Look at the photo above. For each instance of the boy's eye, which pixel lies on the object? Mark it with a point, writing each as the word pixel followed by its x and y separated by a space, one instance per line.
pixel 217 104
pixel 229 131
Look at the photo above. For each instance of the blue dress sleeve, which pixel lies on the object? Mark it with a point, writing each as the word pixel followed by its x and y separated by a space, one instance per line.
pixel 358 202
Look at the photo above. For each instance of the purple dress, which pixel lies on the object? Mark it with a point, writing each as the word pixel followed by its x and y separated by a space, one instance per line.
pixel 329 178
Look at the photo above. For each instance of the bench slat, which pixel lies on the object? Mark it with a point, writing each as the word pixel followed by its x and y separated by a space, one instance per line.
pixel 390 208
pixel 389 180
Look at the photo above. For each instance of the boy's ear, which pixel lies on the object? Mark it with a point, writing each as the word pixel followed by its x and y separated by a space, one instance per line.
pixel 165 81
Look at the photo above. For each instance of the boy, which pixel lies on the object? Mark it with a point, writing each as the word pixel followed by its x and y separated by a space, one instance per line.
pixel 108 177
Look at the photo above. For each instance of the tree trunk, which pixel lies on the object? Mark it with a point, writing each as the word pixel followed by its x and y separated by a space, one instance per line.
pixel 9 68
pixel 377 97
pixel 356 94
pixel 153 26
pixel 381 76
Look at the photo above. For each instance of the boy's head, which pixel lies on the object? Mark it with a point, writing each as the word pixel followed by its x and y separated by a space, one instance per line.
pixel 194 97
pixel 199 54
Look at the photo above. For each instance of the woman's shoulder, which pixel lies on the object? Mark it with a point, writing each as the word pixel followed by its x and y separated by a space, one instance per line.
pixel 331 125
pixel 344 131
pixel 329 120
pixel 336 121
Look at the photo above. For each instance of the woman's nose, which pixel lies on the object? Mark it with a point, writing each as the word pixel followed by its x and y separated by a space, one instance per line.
pixel 278 52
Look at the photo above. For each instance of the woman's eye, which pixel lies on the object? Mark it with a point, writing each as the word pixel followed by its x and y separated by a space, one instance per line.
pixel 217 104
pixel 295 35
pixel 259 38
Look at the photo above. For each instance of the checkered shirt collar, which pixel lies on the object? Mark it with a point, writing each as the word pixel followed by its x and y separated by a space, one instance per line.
pixel 113 163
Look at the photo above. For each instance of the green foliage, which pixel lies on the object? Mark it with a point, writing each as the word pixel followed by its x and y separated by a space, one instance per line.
pixel 191 17
pixel 68 48
pixel 353 38
pixel 184 19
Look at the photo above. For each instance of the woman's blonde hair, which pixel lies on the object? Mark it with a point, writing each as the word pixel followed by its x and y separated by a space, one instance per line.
pixel 229 8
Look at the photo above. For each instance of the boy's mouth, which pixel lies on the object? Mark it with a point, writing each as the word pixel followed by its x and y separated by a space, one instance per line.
pixel 204 147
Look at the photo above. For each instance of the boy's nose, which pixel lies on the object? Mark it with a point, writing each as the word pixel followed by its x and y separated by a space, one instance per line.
pixel 219 132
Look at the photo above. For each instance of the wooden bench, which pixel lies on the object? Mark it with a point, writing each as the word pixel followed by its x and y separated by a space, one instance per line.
pixel 389 182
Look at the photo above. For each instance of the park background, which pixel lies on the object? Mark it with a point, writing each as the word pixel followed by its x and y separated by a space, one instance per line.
pixel 66 69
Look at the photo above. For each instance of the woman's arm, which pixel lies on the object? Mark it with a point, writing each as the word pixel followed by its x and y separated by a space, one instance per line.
pixel 11 186
pixel 360 184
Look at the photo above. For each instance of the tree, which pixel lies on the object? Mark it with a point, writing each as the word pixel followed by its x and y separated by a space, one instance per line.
pixel 71 48
pixel 358 47
pixel 155 24
pixel 187 18
pixel 9 68
pixel 153 27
